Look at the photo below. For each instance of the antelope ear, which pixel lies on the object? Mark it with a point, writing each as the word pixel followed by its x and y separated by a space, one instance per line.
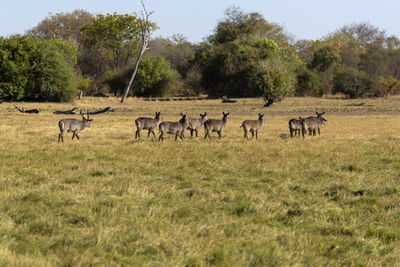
pixel 228 113
pixel 223 113
pixel 205 113
pixel 323 113
pixel 182 114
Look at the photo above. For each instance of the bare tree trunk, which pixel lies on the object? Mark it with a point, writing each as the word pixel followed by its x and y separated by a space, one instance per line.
pixel 145 32
pixel 141 52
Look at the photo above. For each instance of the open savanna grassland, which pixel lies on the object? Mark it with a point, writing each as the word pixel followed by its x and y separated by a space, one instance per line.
pixel 109 199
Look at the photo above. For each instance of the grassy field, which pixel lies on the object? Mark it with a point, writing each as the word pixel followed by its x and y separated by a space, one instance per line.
pixel 109 199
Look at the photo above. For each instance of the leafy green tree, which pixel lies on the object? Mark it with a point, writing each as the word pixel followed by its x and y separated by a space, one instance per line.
pixel 114 36
pixel 388 86
pixel 248 56
pixel 154 77
pixel 63 27
pixel 239 26
pixel 352 82
pixel 324 58
pixel 274 79
pixel 36 69
pixel 308 83
pixel 250 69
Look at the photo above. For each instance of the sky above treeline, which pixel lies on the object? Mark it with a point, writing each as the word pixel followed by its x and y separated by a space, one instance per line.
pixel 307 19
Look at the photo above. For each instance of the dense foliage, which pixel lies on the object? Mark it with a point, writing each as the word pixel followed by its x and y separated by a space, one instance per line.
pixel 154 77
pixel 245 59
pixel 35 69
pixel 245 56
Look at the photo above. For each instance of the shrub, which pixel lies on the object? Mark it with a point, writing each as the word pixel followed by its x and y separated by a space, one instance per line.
pixel 37 69
pixel 352 82
pixel 154 77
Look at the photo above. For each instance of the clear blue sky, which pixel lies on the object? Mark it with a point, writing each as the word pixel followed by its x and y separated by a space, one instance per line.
pixel 306 19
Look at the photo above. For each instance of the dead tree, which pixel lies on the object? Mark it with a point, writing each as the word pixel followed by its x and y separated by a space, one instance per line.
pixel 145 29
pixel 31 111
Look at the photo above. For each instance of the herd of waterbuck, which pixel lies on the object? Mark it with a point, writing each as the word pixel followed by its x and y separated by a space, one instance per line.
pixel 307 125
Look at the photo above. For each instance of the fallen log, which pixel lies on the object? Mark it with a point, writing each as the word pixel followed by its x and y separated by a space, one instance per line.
pixel 31 111
pixel 107 109
pixel 226 100
pixel 71 111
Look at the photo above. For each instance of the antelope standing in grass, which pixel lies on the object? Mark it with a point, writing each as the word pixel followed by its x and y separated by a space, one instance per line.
pixel 176 128
pixel 311 124
pixel 320 119
pixel 150 124
pixel 195 124
pixel 73 125
pixel 253 126
pixel 295 126
pixel 212 125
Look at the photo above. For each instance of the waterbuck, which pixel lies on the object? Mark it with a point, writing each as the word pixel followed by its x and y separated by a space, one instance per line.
pixel 311 124
pixel 195 124
pixel 212 125
pixel 320 119
pixel 150 124
pixel 176 128
pixel 73 125
pixel 295 126
pixel 253 126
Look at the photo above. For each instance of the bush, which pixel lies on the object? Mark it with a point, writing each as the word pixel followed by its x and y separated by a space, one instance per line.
pixel 352 82
pixel 154 77
pixel 243 69
pixel 308 83
pixel 35 69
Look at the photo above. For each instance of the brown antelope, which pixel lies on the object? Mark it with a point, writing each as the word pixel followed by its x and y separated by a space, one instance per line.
pixel 212 125
pixel 73 125
pixel 253 126
pixel 150 124
pixel 311 124
pixel 295 126
pixel 176 128
pixel 318 118
pixel 195 124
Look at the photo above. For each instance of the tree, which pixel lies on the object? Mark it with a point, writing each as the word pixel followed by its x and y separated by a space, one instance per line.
pixel 387 86
pixel 308 83
pixel 274 79
pixel 248 56
pixel 359 33
pixel 247 27
pixel 146 29
pixel 154 77
pixel 352 82
pixel 113 36
pixel 63 27
pixel 324 58
pixel 37 69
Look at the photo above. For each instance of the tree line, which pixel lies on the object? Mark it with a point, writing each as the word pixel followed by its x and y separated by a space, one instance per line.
pixel 245 56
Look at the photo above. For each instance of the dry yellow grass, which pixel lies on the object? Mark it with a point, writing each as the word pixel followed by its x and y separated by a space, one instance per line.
pixel 109 199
